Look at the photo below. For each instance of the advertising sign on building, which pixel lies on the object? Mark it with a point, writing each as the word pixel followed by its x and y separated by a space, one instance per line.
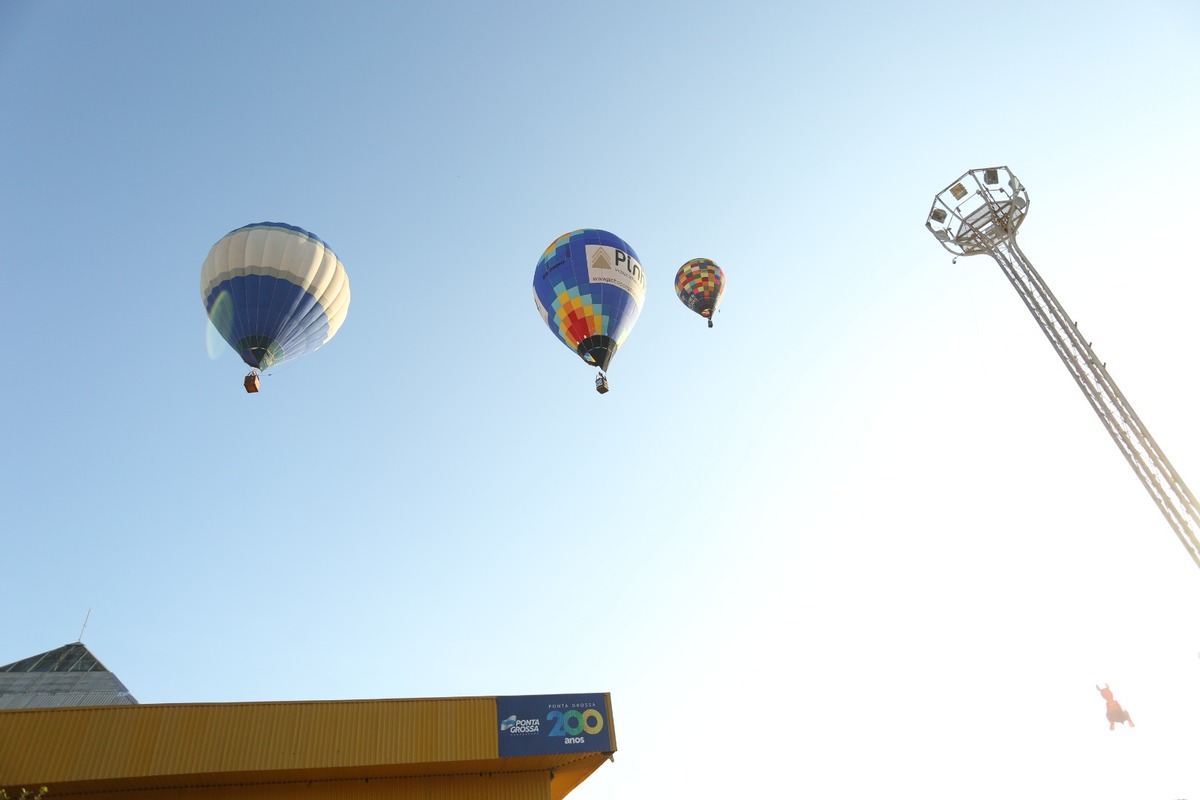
pixel 549 724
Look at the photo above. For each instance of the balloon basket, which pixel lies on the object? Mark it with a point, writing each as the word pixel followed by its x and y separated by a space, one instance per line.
pixel 251 383
pixel 601 384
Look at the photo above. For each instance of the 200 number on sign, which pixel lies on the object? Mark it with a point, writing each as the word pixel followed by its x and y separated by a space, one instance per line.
pixel 570 724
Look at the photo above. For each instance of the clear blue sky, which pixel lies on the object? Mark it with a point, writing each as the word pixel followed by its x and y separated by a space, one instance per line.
pixel 863 538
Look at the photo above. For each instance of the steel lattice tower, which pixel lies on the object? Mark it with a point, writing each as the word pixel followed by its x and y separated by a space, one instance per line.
pixel 979 214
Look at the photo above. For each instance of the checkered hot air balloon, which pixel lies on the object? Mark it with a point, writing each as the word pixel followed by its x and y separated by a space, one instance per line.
pixel 274 292
pixel 589 289
pixel 700 283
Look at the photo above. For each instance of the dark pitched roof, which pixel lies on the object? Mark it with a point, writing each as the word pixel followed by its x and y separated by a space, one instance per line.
pixel 68 658
pixel 67 676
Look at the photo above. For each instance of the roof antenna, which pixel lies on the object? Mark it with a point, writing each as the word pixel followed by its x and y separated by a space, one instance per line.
pixel 84 628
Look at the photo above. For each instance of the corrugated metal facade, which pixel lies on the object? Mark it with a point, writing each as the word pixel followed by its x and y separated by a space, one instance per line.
pixel 443 748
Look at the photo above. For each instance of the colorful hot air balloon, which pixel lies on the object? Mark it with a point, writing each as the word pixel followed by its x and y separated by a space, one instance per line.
pixel 274 292
pixel 700 284
pixel 589 289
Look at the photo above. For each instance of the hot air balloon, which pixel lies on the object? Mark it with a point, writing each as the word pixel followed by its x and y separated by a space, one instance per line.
pixel 274 292
pixel 700 284
pixel 589 289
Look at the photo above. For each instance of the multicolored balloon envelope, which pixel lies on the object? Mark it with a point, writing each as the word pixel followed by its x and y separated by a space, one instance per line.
pixel 274 292
pixel 700 284
pixel 589 289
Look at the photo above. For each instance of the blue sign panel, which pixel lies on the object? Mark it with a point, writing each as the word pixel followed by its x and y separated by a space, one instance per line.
pixel 549 724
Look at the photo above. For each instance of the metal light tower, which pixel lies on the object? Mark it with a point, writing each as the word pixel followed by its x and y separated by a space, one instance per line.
pixel 979 214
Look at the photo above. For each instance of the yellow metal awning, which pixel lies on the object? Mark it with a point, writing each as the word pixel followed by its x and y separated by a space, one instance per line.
pixel 428 748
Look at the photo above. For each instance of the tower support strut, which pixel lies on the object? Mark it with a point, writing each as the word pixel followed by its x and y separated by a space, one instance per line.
pixel 979 214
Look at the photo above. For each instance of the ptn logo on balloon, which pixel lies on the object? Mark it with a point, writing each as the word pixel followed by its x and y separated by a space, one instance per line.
pixel 520 727
pixel 610 265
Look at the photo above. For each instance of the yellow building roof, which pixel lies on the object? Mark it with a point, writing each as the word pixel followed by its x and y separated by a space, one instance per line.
pixel 431 748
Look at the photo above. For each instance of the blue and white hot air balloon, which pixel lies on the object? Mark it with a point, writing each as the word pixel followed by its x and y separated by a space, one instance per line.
pixel 274 292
